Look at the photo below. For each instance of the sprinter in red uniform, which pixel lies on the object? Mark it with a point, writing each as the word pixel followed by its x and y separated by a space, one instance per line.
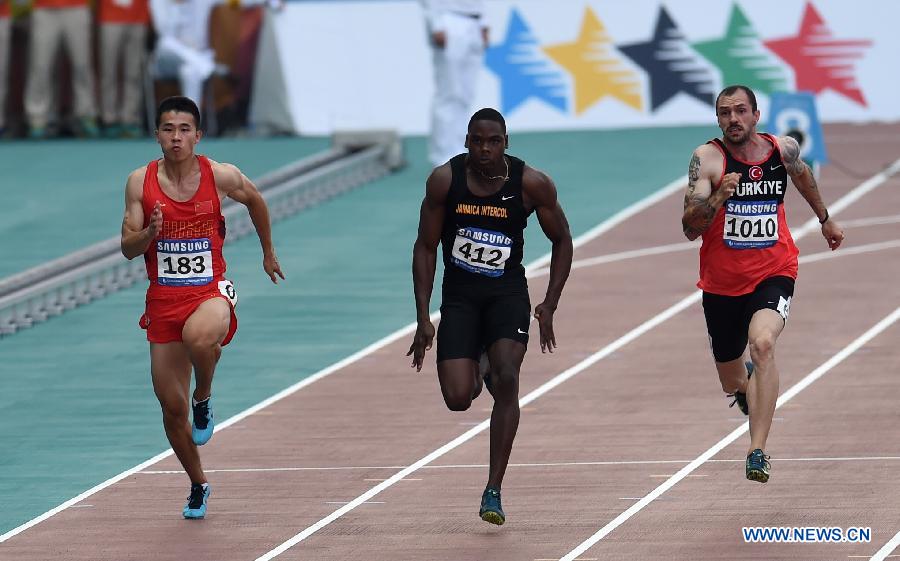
pixel 748 260
pixel 173 218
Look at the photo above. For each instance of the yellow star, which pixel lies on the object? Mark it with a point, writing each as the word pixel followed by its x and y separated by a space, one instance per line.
pixel 596 71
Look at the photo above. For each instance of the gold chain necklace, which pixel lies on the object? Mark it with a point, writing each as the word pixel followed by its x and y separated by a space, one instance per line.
pixel 493 177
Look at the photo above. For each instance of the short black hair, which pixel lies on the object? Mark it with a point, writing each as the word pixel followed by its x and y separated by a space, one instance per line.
pixel 488 114
pixel 180 104
pixel 730 90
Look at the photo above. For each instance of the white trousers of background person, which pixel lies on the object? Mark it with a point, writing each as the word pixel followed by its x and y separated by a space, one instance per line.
pixel 125 42
pixel 192 66
pixel 5 48
pixel 51 27
pixel 456 69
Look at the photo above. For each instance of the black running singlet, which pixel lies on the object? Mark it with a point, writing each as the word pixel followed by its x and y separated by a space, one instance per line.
pixel 482 237
pixel 752 213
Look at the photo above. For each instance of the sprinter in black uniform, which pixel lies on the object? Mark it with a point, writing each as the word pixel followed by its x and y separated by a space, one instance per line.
pixel 477 206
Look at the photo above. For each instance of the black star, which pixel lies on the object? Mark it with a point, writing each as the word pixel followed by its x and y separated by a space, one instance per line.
pixel 672 64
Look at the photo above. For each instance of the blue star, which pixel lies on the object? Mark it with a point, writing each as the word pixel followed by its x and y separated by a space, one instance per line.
pixel 672 64
pixel 524 70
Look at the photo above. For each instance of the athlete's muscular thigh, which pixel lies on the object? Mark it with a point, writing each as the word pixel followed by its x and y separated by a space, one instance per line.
pixel 506 356
pixel 765 327
pixel 209 323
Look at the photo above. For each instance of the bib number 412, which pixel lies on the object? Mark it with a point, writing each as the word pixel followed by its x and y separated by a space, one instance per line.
pixel 484 252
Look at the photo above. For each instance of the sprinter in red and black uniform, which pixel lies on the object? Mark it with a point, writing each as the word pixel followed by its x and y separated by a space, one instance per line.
pixel 173 218
pixel 748 260
pixel 477 206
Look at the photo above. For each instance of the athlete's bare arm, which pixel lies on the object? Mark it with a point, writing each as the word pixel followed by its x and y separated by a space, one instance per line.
pixel 233 184
pixel 135 238
pixel 805 182
pixel 431 223
pixel 701 201
pixel 539 192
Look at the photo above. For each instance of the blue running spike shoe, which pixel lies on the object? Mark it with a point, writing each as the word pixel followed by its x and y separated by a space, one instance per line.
pixel 202 427
pixel 740 397
pixel 196 505
pixel 490 510
pixel 758 466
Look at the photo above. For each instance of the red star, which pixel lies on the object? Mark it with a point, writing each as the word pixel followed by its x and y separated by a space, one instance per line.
pixel 819 60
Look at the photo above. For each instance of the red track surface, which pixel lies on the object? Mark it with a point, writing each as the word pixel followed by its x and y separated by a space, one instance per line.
pixel 587 450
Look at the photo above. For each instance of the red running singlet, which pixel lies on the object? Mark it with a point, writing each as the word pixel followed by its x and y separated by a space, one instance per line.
pixel 748 240
pixel 187 253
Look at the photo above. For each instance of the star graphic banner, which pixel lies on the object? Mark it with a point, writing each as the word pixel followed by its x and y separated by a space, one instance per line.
pixel 671 63
pixel 524 70
pixel 819 60
pixel 595 67
pixel 742 58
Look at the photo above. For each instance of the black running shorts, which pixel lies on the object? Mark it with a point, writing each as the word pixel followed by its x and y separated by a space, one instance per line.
pixel 473 316
pixel 728 317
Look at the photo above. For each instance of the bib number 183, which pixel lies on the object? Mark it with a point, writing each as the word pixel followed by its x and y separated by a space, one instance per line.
pixel 184 262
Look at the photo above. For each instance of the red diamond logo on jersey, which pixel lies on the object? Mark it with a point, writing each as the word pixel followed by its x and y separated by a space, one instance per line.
pixel 756 173
pixel 819 60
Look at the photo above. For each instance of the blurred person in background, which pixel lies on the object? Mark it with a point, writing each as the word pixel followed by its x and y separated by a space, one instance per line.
pixel 123 37
pixel 55 22
pixel 5 48
pixel 458 38
pixel 182 46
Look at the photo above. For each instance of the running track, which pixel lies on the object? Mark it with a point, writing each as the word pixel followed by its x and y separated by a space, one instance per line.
pixel 626 448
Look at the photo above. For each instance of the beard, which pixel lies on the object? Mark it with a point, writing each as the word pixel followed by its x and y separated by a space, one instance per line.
pixel 737 135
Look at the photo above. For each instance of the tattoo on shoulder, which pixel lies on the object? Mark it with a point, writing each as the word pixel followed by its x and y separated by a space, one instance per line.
pixel 790 150
pixel 790 155
pixel 693 171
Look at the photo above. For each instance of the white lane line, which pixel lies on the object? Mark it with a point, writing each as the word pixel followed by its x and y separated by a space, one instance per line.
pixel 851 197
pixel 77 499
pixel 604 226
pixel 345 502
pixel 623 255
pixel 852 250
pixel 407 479
pixel 873 221
pixel 887 549
pixel 618 218
pixel 471 433
pixel 685 246
pixel 811 225
pixel 871 333
pixel 673 310
pixel 672 248
pixel 523 465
